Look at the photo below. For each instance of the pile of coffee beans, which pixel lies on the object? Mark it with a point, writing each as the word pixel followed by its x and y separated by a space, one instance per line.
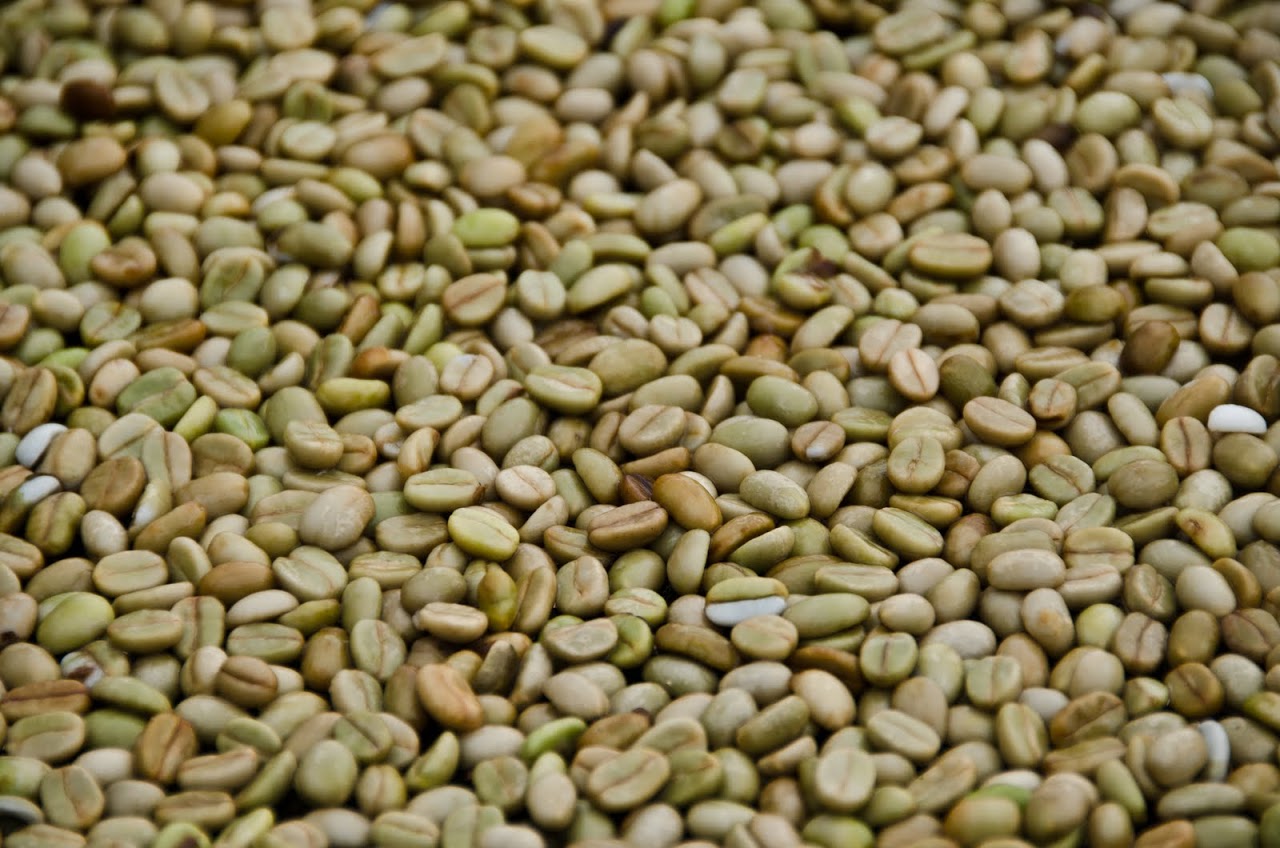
pixel 605 423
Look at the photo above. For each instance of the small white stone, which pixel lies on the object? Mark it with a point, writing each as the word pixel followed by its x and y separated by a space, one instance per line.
pixel 19 810
pixel 35 489
pixel 1046 702
pixel 1219 745
pixel 270 196
pixel 1233 418
pixel 729 613
pixel 148 509
pixel 1181 83
pixel 36 442
pixel 375 15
